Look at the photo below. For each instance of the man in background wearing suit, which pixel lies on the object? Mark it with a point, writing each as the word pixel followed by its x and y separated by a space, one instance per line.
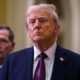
pixel 6 42
pixel 42 23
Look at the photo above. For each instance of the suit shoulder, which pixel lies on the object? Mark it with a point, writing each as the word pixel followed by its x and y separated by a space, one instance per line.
pixel 22 52
pixel 70 54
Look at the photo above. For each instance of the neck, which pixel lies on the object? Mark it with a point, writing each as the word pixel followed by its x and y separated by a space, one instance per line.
pixel 43 46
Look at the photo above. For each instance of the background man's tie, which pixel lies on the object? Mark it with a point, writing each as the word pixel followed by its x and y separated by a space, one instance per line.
pixel 40 72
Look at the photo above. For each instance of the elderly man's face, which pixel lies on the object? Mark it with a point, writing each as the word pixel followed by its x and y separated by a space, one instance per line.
pixel 41 26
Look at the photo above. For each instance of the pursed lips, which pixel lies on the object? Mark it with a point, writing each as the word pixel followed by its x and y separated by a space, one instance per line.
pixel 36 32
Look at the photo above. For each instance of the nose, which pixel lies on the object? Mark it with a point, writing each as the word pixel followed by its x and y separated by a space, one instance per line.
pixel 37 23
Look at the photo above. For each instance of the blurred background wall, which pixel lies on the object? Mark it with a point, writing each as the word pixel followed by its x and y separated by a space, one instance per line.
pixel 2 11
pixel 12 13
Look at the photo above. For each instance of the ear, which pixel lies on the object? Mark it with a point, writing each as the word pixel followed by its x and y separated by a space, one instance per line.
pixel 12 45
pixel 57 27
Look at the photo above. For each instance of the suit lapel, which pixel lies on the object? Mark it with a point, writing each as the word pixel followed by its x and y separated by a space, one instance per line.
pixel 59 64
pixel 28 64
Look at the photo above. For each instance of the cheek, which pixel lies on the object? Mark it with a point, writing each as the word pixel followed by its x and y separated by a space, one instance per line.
pixel 30 32
pixel 6 48
pixel 50 31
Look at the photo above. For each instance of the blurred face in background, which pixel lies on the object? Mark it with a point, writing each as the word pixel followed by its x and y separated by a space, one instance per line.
pixel 5 44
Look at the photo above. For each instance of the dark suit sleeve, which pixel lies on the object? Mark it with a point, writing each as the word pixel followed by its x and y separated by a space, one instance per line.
pixel 5 70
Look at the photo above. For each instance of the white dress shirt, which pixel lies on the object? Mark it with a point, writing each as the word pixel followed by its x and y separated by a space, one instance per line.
pixel 0 66
pixel 48 61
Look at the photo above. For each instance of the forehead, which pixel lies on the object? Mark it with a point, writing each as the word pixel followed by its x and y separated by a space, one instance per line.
pixel 4 34
pixel 36 13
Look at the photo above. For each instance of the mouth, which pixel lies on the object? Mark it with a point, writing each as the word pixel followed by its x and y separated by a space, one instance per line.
pixel 37 32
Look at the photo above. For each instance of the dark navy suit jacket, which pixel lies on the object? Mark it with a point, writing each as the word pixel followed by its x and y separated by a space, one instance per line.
pixel 0 72
pixel 19 65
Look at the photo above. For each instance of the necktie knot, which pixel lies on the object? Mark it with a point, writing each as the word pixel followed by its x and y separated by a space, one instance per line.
pixel 43 56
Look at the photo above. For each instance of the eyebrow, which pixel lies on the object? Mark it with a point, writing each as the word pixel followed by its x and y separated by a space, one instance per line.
pixel 37 17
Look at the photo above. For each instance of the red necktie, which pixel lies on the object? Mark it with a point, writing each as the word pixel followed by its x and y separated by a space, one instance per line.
pixel 40 72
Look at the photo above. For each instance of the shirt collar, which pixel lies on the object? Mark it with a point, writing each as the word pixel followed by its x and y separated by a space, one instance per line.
pixel 36 52
pixel 50 52
pixel 0 66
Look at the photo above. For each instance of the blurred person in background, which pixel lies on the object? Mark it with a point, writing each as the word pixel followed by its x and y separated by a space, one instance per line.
pixel 6 42
pixel 46 59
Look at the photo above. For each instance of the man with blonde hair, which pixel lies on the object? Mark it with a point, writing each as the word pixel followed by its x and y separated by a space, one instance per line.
pixel 45 60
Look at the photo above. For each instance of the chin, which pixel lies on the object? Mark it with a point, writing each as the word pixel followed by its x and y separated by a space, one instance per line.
pixel 38 39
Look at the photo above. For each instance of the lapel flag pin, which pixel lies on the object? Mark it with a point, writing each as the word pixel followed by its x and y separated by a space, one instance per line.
pixel 61 59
